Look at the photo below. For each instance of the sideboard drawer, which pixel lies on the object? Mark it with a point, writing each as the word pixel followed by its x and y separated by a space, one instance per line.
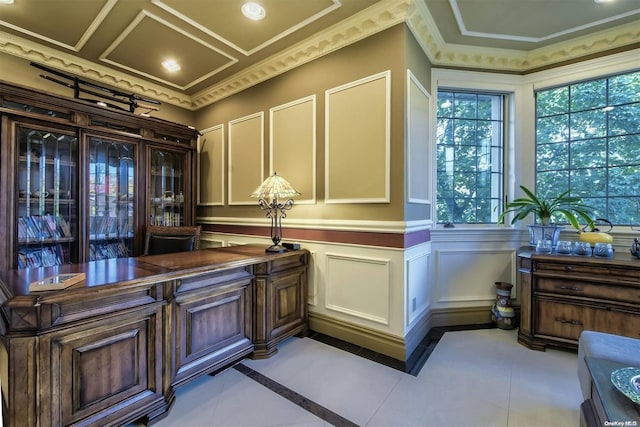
pixel 588 272
pixel 625 294
pixel 569 320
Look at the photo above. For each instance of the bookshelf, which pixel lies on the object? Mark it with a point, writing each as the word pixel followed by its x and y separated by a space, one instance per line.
pixel 46 203
pixel 80 182
pixel 167 187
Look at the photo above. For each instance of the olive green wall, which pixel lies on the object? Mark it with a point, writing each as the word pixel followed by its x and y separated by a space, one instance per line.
pixel 384 51
pixel 17 71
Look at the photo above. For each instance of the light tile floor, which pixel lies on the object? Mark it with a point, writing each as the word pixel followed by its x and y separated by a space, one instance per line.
pixel 472 378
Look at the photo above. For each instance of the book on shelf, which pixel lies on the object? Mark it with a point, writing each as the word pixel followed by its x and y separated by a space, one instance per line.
pixel 43 227
pixel 55 282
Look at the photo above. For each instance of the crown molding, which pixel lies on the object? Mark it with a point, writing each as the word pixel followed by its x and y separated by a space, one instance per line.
pixel 595 43
pixel 440 53
pixel 374 19
pixel 26 49
pixel 380 16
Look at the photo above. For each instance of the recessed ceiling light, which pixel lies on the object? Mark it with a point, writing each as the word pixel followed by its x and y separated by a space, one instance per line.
pixel 6 1
pixel 603 1
pixel 253 11
pixel 171 65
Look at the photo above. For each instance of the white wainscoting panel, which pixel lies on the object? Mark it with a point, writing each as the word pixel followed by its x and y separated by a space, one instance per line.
pixel 418 280
pixel 363 287
pixel 312 289
pixel 358 286
pixel 468 276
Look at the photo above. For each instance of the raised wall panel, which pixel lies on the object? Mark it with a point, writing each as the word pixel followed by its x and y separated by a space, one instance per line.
pixel 246 154
pixel 469 276
pixel 357 148
pixel 417 151
pixel 358 286
pixel 418 286
pixel 211 167
pixel 293 146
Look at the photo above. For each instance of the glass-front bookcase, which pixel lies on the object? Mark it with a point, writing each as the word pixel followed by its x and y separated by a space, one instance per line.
pixel 112 198
pixel 82 182
pixel 47 197
pixel 167 188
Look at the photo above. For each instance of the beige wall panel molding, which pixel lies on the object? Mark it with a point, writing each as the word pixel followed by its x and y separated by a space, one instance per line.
pixel 358 286
pixel 357 146
pixel 475 282
pixel 417 152
pixel 246 158
pixel 292 145
pixel 211 155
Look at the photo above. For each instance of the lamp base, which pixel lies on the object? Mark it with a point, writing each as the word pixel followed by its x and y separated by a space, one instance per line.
pixel 275 248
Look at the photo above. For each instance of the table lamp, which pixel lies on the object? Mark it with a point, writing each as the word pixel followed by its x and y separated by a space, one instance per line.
pixel 270 194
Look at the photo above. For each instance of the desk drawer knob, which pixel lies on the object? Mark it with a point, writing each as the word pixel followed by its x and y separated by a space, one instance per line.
pixel 568 268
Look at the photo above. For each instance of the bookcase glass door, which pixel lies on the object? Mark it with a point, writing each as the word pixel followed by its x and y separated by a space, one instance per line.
pixel 111 199
pixel 167 188
pixel 47 200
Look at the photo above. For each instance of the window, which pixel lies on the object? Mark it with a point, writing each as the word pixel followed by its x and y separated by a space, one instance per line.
pixel 470 156
pixel 588 140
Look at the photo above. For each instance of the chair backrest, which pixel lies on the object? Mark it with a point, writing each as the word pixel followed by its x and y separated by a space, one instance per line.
pixel 164 240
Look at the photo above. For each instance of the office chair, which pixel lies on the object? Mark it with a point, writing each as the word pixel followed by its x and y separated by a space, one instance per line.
pixel 164 240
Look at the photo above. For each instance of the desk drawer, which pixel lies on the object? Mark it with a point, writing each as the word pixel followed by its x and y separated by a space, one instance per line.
pixel 625 294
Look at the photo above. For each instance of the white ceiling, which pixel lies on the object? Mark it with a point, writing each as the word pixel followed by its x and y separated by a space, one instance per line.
pixel 121 43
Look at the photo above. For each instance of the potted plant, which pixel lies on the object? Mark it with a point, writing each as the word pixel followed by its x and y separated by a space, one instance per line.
pixel 545 209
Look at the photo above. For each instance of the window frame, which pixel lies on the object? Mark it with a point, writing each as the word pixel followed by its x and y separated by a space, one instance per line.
pixel 607 198
pixel 503 120
pixel 492 83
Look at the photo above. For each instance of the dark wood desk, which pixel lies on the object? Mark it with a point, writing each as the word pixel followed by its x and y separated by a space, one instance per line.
pixel 607 405
pixel 112 349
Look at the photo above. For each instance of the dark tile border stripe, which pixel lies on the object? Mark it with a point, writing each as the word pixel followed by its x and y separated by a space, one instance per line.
pixel 306 404
pixel 418 358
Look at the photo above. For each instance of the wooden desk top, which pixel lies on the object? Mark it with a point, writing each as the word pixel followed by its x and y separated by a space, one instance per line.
pixel 128 271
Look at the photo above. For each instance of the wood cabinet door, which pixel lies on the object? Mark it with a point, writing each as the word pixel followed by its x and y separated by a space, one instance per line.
pixel 104 372
pixel 281 309
pixel 212 329
pixel 288 300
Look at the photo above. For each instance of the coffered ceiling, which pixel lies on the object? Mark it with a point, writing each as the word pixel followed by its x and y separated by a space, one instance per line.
pixel 122 43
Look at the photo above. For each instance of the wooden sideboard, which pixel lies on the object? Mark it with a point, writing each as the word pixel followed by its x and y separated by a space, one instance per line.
pixel 562 295
pixel 113 349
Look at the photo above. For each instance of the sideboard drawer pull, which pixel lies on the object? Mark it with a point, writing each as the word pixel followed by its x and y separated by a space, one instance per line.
pixel 568 268
pixel 569 288
pixel 569 322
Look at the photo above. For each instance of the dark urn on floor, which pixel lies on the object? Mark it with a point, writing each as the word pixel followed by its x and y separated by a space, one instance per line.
pixel 502 313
